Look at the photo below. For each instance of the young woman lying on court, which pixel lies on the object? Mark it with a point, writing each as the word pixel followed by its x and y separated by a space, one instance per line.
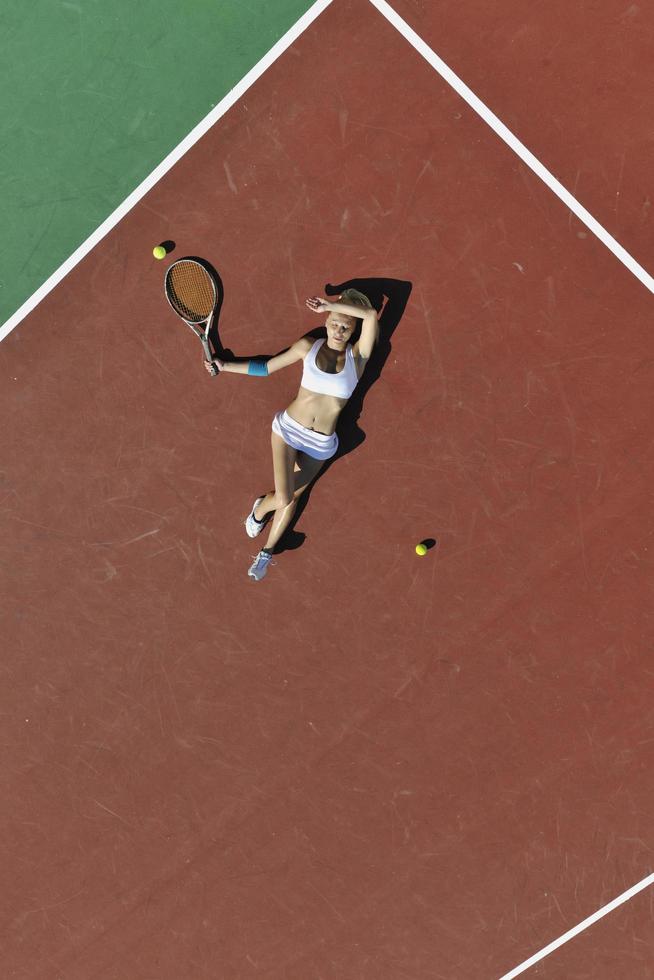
pixel 304 436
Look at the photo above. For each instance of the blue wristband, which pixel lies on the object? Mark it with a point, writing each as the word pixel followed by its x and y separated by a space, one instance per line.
pixel 260 368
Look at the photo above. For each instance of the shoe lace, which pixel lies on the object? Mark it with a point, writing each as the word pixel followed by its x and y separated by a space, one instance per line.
pixel 267 558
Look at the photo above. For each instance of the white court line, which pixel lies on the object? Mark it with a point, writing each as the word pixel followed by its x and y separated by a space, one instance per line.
pixel 577 929
pixel 513 142
pixel 278 49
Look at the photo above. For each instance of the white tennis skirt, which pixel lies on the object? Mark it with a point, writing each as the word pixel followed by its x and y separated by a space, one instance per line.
pixel 315 444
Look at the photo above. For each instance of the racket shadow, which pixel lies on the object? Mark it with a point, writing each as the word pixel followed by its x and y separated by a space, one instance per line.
pixel 390 298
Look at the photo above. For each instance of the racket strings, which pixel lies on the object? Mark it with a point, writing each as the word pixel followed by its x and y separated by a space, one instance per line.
pixel 191 291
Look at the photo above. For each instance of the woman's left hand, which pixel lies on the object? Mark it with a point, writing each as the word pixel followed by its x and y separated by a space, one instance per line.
pixel 317 304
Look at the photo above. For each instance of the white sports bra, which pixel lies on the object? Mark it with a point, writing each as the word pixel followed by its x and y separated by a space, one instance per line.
pixel 340 385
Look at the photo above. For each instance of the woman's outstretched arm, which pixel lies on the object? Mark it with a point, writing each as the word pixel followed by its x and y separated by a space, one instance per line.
pixel 260 367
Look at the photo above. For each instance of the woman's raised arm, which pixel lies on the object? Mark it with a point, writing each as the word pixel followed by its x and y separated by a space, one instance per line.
pixel 368 316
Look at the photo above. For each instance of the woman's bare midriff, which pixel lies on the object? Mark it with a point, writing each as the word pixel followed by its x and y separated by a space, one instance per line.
pixel 317 412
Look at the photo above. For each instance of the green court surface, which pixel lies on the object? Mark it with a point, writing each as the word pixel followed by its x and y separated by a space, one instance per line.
pixel 95 95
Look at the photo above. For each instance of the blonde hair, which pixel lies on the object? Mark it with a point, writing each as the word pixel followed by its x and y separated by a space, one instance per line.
pixel 356 298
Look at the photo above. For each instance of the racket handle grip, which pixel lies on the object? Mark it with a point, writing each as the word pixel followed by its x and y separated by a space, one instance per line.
pixel 208 356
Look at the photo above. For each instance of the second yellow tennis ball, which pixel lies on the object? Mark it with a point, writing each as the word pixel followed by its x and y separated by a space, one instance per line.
pixel 159 252
pixel 421 549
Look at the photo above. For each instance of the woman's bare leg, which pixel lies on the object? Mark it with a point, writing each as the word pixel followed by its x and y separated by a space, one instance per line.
pixel 284 461
pixel 306 470
pixel 267 504
pixel 280 521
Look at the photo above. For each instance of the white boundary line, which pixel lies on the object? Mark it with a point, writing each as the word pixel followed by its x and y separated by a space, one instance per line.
pixel 582 925
pixel 513 142
pixel 205 124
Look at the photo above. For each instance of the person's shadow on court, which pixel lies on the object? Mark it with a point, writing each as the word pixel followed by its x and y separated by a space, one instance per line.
pixel 389 297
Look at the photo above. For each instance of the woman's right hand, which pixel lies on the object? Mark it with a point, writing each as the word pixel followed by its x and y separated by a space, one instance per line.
pixel 317 304
pixel 216 363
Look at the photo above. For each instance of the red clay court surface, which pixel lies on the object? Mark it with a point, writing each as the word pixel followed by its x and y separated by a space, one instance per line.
pixel 369 766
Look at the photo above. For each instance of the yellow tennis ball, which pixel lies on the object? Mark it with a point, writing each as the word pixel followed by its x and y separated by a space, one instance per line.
pixel 159 252
pixel 421 549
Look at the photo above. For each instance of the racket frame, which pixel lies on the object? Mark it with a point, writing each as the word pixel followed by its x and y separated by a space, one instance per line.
pixel 194 325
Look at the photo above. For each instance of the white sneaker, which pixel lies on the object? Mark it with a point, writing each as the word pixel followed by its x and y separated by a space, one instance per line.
pixel 252 525
pixel 259 566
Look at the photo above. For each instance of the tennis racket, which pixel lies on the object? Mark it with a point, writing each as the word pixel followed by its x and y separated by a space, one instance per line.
pixel 191 291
